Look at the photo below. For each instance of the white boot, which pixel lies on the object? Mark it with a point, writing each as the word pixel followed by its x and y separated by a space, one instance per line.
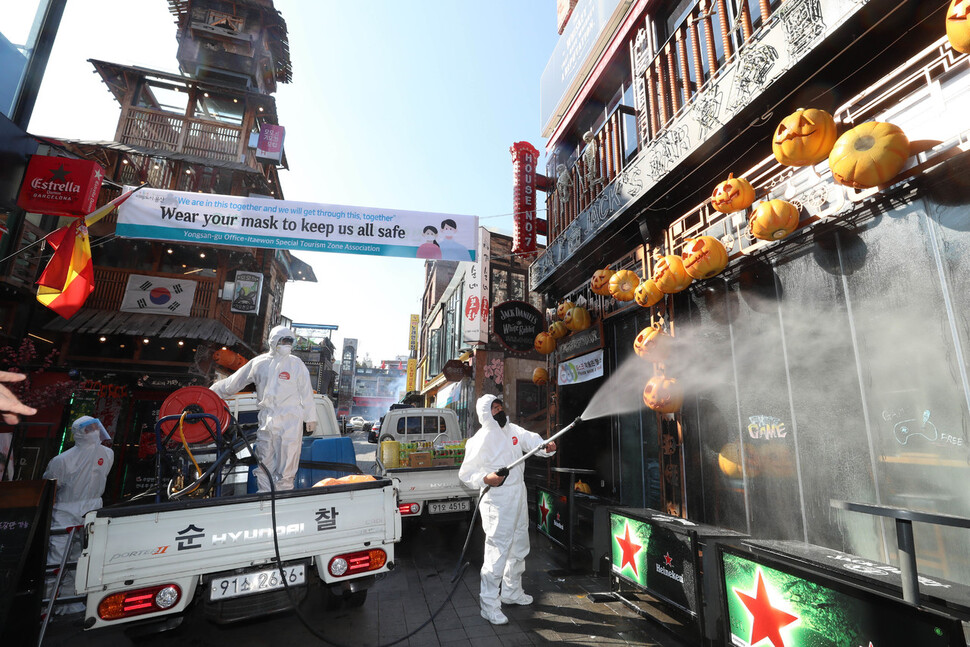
pixel 523 599
pixel 495 616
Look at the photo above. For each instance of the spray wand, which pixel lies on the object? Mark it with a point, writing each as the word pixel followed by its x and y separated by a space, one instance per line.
pixel 503 472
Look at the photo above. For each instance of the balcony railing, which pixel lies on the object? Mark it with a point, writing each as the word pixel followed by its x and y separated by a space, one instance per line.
pixel 109 290
pixel 210 139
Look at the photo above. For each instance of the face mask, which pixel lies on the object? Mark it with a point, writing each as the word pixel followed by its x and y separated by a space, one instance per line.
pixel 284 350
pixel 500 418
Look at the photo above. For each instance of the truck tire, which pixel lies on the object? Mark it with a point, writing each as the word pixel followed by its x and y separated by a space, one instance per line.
pixel 384 437
pixel 333 601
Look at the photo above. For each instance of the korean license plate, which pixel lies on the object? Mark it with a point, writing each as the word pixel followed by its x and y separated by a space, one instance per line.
pixel 439 507
pixel 255 582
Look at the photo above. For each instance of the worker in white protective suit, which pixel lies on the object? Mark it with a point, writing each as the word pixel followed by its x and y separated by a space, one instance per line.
pixel 284 396
pixel 505 518
pixel 81 473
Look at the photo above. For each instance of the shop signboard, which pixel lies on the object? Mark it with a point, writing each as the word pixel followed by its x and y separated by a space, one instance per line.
pixel 580 343
pixel 581 369
pixel 247 291
pixel 770 602
pixel 413 332
pixel 412 374
pixel 60 186
pixel 525 156
pixel 648 554
pixel 516 325
pixel 552 511
pixel 269 146
pixel 474 323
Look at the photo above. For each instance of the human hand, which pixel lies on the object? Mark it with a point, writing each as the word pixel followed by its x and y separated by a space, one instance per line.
pixel 550 446
pixel 495 479
pixel 9 403
pixel 311 426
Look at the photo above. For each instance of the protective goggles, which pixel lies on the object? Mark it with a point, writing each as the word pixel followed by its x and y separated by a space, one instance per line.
pixel 286 341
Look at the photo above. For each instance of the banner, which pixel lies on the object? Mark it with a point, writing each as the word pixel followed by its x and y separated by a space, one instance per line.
pixel 269 146
pixel 412 374
pixel 581 369
pixel 158 214
pixel 476 309
pixel 413 333
pixel 158 295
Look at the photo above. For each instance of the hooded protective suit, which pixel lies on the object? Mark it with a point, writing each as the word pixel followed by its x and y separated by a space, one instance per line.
pixel 81 473
pixel 285 399
pixel 505 518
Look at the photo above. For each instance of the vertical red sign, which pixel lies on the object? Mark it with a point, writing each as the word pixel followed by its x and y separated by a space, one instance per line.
pixel 524 159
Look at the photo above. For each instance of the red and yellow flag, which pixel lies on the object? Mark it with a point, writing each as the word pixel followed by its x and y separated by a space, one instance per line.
pixel 68 279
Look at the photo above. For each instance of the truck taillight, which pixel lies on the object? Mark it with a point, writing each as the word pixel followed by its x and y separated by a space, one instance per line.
pixel 139 601
pixel 353 563
pixel 409 508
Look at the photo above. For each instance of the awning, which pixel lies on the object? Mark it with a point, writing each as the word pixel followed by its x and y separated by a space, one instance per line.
pixel 297 269
pixel 112 322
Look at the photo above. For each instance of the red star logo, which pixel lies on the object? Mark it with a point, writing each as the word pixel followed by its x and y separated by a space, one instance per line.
pixel 668 559
pixel 766 620
pixel 544 511
pixel 629 548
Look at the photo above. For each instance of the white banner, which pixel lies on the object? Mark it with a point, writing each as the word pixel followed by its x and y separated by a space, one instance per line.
pixel 158 214
pixel 158 295
pixel 476 308
pixel 582 368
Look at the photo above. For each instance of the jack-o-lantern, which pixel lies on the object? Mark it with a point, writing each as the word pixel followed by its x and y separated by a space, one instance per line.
pixel 558 330
pixel 663 394
pixel 600 284
pixel 870 154
pixel 623 284
pixel 773 220
pixel 670 275
pixel 563 309
pixel 804 137
pixel 729 461
pixel 733 194
pixel 704 257
pixel 648 294
pixel 652 344
pixel 577 319
pixel 957 27
pixel 544 343
pixel 540 376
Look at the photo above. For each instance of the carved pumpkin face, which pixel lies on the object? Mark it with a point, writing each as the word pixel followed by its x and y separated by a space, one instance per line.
pixel 558 330
pixel 733 194
pixel 652 344
pixel 663 394
pixel 577 319
pixel 601 282
pixel 623 284
pixel 563 309
pixel 670 275
pixel 957 27
pixel 870 154
pixel 648 294
pixel 804 137
pixel 773 220
pixel 544 343
pixel 704 257
pixel 540 376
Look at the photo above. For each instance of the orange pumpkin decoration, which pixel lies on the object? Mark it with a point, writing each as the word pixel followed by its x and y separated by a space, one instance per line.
pixel 544 343
pixel 957 27
pixel 648 294
pixel 804 137
pixel 773 220
pixel 623 284
pixel 577 319
pixel 652 344
pixel 601 282
pixel 704 257
pixel 869 155
pixel 663 394
pixel 540 376
pixel 558 330
pixel 733 194
pixel 670 275
pixel 563 309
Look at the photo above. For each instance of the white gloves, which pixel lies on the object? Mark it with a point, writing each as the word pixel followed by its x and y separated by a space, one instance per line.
pixel 311 426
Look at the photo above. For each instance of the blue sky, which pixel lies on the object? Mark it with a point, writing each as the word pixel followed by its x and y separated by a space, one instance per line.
pixel 403 105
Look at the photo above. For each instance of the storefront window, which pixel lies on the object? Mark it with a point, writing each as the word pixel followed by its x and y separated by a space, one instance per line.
pixel 18 37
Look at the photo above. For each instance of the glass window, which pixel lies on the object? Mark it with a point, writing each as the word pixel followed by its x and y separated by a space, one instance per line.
pixel 432 424
pixel 215 107
pixel 170 96
pixel 499 285
pixel 18 35
pixel 517 288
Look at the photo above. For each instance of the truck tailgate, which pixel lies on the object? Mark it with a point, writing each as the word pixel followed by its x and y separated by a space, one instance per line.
pixel 429 482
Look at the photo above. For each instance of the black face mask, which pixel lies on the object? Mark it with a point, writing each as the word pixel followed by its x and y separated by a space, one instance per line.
pixel 500 418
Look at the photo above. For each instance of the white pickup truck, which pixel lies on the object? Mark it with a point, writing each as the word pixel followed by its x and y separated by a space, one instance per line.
pixel 433 493
pixel 147 563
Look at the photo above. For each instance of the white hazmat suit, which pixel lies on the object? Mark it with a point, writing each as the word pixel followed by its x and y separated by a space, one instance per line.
pixel 505 518
pixel 81 473
pixel 284 396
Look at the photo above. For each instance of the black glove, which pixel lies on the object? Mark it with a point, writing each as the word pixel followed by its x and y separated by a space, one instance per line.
pixel 504 473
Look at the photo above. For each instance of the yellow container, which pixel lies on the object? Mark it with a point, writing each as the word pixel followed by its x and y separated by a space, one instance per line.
pixel 391 453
